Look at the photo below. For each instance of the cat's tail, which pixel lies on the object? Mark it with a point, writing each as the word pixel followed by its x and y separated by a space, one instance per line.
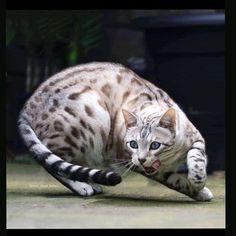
pixel 58 166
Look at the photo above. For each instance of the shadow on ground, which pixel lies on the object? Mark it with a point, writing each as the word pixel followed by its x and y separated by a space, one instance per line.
pixel 36 200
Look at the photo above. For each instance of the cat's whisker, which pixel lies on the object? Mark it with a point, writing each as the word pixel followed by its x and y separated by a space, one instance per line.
pixel 133 168
pixel 128 163
pixel 126 172
pixel 122 167
pixel 140 166
pixel 120 163
pixel 118 168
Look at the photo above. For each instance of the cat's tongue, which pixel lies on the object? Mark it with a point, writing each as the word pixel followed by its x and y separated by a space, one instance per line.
pixel 156 164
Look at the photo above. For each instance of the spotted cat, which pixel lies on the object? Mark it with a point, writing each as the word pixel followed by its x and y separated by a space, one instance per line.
pixel 92 114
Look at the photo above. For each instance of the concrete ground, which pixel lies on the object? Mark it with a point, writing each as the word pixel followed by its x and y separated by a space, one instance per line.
pixel 37 200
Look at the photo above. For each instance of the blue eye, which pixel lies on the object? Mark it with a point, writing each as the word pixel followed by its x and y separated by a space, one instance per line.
pixel 154 145
pixel 133 144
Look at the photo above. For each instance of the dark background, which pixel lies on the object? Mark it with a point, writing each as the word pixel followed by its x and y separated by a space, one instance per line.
pixel 181 51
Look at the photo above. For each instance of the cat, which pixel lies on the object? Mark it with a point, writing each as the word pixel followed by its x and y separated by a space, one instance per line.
pixel 87 116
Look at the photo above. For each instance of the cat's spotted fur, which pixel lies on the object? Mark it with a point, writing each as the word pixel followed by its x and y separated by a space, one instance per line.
pixel 88 115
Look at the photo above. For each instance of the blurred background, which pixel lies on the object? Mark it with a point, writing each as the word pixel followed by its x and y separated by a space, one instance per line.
pixel 181 51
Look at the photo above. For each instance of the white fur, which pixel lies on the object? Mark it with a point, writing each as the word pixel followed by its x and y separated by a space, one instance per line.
pixel 204 195
pixel 93 172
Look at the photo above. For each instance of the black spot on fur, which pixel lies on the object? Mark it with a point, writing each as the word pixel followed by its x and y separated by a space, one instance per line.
pixel 32 105
pixel 55 103
pixel 106 89
pixel 52 109
pixel 70 142
pixel 83 135
pixel 82 149
pixel 45 89
pixel 31 144
pixel 91 142
pixel 91 130
pixel 46 128
pixel 26 131
pixel 74 132
pixel 66 149
pixel 39 126
pixel 54 136
pixel 198 177
pixel 44 116
pixel 88 110
pixel 58 126
pixel 70 111
pixel 83 123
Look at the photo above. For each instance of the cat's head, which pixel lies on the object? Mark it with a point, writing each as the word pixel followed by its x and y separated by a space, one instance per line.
pixel 150 141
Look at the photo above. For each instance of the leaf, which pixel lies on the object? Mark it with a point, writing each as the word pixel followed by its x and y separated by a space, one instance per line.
pixel 73 55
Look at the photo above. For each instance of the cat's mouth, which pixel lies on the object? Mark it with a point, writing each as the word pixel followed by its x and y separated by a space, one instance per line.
pixel 151 170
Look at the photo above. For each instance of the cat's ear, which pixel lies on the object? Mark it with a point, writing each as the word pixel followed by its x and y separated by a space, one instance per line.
pixel 168 120
pixel 130 119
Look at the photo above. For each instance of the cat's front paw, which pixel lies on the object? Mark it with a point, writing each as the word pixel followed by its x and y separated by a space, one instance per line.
pixel 203 195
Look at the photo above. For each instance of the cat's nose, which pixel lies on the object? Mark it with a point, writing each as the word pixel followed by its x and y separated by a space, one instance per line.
pixel 141 160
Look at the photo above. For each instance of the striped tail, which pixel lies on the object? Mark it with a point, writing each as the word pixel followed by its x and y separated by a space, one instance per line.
pixel 56 165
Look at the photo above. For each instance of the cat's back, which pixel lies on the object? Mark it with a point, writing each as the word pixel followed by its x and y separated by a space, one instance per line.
pixel 93 74
pixel 109 81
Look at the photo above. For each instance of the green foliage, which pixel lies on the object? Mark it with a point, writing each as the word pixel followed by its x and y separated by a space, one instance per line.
pixel 73 53
pixel 80 30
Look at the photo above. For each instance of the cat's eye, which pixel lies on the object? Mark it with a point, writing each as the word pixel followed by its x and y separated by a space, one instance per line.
pixel 154 145
pixel 133 144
